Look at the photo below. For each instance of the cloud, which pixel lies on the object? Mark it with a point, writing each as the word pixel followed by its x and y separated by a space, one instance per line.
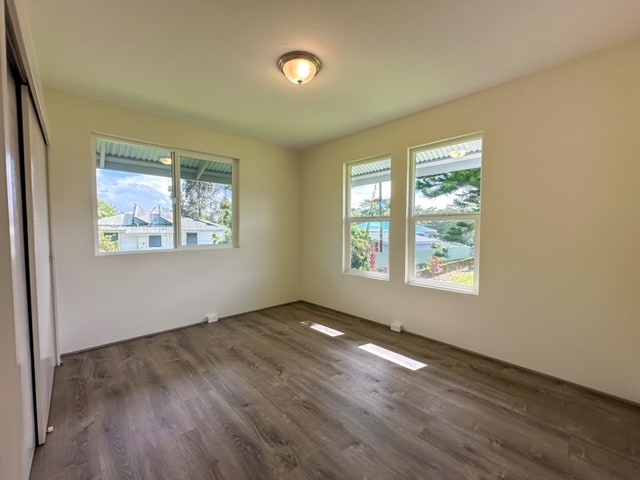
pixel 123 190
pixel 366 192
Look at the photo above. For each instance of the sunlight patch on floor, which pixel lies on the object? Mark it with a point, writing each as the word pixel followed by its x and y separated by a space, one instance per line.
pixel 394 357
pixel 326 330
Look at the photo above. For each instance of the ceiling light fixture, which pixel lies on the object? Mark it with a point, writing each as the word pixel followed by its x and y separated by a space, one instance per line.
pixel 299 67
pixel 457 153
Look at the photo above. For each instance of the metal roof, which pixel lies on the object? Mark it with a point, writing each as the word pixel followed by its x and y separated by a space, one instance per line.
pixel 130 150
pixel 380 169
pixel 122 220
pixel 367 168
pixel 431 154
pixel 134 158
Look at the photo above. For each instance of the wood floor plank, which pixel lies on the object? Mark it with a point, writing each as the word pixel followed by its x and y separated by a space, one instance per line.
pixel 264 396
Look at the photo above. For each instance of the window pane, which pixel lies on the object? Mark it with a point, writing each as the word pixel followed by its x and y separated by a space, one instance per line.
pixel 155 241
pixel 447 179
pixel 205 201
pixel 370 246
pixel 445 251
pixel 134 196
pixel 192 238
pixel 370 194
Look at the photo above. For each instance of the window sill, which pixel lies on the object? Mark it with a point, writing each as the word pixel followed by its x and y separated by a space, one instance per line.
pixel 371 275
pixel 445 287
pixel 182 248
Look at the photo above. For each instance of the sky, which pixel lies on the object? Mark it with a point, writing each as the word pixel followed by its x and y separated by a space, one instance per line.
pixel 123 190
pixel 366 192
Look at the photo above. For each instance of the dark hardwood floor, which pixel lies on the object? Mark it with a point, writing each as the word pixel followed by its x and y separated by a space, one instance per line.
pixel 263 396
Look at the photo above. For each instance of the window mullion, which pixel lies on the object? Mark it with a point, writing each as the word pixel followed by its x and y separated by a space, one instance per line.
pixel 383 218
pixel 177 210
pixel 446 216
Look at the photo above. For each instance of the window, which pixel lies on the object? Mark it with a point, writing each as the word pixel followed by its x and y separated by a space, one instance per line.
pixel 152 196
pixel 444 217
pixel 192 238
pixel 367 217
pixel 155 241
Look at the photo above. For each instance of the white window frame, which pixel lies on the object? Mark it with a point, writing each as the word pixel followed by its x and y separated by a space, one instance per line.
pixel 176 155
pixel 348 220
pixel 413 219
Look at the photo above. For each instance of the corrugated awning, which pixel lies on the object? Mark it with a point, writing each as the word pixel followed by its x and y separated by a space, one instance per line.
pixel 133 158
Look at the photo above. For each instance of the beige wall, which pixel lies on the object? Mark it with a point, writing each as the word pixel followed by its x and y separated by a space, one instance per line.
pixel 560 243
pixel 104 299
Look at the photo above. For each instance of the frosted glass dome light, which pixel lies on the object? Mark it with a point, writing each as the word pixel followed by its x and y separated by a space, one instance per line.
pixel 299 67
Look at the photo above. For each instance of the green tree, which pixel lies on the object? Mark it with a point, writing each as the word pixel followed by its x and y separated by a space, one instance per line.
pixel 439 226
pixel 438 257
pixel 464 185
pixel 226 216
pixel 462 232
pixel 203 200
pixel 106 209
pixel 360 249
pixel 106 243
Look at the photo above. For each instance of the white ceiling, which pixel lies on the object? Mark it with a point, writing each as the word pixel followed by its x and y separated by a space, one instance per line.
pixel 212 63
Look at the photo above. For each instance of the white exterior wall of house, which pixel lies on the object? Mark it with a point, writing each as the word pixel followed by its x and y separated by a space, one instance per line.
pixel 137 238
pixel 206 238
pixel 144 242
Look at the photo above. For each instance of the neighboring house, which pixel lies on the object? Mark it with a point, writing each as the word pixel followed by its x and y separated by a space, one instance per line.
pixel 427 243
pixel 144 229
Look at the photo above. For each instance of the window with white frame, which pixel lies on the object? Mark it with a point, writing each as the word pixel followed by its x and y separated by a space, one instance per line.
pixel 151 197
pixel 444 216
pixel 367 217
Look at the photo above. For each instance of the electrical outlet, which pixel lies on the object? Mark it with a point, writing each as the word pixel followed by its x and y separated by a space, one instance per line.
pixel 212 317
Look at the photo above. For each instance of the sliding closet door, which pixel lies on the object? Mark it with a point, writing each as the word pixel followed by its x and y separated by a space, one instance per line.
pixel 17 437
pixel 40 271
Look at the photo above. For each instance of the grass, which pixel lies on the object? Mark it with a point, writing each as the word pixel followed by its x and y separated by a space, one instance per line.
pixel 458 277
